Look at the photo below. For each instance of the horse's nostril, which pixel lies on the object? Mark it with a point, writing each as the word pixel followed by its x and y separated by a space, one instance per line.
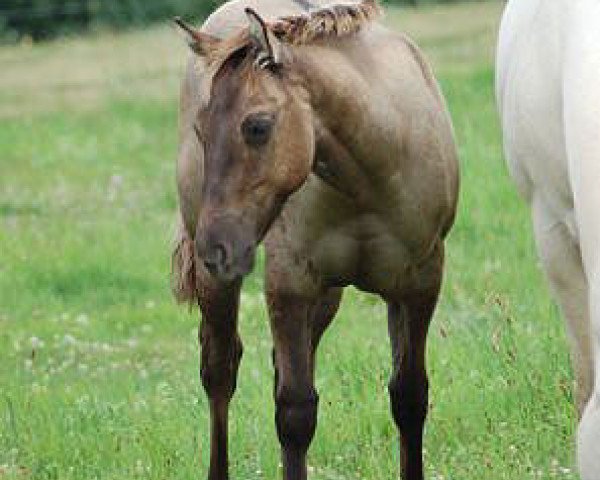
pixel 221 254
pixel 210 265
pixel 216 261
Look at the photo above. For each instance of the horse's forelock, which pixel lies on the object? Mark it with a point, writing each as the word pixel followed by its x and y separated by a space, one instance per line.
pixel 214 64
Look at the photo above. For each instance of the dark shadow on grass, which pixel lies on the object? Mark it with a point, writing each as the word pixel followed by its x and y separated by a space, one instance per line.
pixel 94 284
pixel 10 209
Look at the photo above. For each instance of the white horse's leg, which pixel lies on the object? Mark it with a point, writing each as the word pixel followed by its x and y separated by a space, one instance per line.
pixel 589 435
pixel 582 121
pixel 589 428
pixel 588 444
pixel 561 259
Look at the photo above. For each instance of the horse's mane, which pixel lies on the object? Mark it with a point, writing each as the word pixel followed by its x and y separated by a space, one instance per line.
pixel 331 21
pixel 328 22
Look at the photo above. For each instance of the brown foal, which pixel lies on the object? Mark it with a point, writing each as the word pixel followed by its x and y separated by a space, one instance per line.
pixel 314 130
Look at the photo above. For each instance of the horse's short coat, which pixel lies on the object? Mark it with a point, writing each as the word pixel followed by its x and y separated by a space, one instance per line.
pixel 325 134
pixel 548 89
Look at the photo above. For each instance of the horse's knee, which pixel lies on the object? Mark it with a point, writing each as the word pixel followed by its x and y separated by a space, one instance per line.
pixel 409 395
pixel 588 441
pixel 219 363
pixel 296 417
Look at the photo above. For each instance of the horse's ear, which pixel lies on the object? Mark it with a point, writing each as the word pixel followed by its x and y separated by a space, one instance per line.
pixel 270 50
pixel 201 43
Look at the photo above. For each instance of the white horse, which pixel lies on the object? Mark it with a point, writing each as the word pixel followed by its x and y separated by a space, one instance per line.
pixel 548 89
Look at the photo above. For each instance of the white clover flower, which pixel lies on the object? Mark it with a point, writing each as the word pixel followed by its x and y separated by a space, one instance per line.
pixel 69 340
pixel 36 342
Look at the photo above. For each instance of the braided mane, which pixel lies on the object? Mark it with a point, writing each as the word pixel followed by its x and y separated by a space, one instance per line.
pixel 332 21
pixel 319 24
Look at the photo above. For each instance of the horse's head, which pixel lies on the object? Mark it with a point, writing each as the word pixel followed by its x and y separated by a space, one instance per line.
pixel 258 139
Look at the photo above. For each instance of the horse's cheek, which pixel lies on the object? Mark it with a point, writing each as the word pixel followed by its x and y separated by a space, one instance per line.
pixel 299 160
pixel 291 174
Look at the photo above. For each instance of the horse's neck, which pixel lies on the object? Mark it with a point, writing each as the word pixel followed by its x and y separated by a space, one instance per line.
pixel 351 130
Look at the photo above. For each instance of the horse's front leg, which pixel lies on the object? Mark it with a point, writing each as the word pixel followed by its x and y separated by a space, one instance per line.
pixel 408 321
pixel 295 396
pixel 221 351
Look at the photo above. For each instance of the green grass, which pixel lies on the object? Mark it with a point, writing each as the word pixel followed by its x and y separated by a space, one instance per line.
pixel 98 370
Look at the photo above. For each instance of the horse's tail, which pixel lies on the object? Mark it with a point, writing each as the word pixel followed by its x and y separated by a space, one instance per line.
pixel 183 267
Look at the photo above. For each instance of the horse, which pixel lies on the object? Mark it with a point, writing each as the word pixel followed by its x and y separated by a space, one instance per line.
pixel 312 129
pixel 548 93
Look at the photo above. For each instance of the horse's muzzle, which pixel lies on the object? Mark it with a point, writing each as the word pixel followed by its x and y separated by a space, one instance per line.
pixel 226 248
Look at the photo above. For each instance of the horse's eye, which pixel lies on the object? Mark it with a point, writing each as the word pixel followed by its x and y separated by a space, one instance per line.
pixel 256 129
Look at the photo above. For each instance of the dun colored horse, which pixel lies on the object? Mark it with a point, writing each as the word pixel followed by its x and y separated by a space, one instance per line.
pixel 548 88
pixel 324 134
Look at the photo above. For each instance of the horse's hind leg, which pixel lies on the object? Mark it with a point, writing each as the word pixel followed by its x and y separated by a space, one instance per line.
pixel 408 323
pixel 221 353
pixel 297 324
pixel 562 263
pixel 588 435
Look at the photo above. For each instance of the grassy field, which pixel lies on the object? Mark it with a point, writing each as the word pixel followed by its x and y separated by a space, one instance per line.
pixel 98 370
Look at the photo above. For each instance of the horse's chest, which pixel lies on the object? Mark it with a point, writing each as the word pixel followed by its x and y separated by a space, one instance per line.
pixel 366 252
pixel 384 264
pixel 325 238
